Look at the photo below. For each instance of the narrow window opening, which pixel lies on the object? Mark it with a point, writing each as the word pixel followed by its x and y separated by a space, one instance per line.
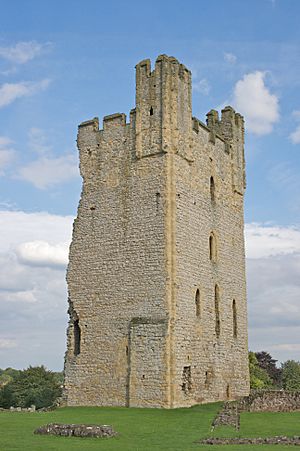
pixel 157 195
pixel 126 350
pixel 217 311
pixel 234 318
pixel 206 379
pixel 212 189
pixel 197 302
pixel 151 111
pixel 228 391
pixel 212 248
pixel 77 337
pixel 186 385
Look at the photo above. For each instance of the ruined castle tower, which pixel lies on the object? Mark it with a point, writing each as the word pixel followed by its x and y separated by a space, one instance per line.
pixel 156 279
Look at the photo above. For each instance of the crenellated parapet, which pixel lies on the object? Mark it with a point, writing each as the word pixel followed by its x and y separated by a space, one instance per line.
pixel 231 129
pixel 163 107
pixel 162 122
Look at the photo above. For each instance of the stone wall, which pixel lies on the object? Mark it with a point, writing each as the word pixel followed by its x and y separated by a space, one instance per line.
pixel 156 279
pixel 271 401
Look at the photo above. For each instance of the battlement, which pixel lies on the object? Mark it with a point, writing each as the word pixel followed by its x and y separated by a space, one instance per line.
pixel 92 124
pixel 164 60
pixel 162 120
pixel 114 120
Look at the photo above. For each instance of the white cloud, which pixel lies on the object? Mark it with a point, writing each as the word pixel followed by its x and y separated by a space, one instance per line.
pixel 9 71
pixel 230 58
pixel 295 135
pixel 273 282
pixel 265 241
pixel 202 86
pixel 41 253
pixel 19 296
pixel 46 172
pixel 18 227
pixel 6 343
pixel 9 92
pixel 4 142
pixel 296 114
pixel 33 297
pixel 253 99
pixel 22 52
pixel 7 153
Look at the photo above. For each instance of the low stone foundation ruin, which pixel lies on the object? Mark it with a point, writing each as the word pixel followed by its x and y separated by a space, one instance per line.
pixel 76 430
pixel 270 401
pixel 277 440
pixel 257 401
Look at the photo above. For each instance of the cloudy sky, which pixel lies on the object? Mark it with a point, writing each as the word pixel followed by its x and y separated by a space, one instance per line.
pixel 62 62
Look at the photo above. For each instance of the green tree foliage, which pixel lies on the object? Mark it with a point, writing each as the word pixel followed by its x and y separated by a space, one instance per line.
pixel 35 385
pixel 7 375
pixel 259 377
pixel 267 363
pixel 291 375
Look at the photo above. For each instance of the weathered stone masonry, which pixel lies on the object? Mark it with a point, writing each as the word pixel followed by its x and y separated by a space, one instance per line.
pixel 156 279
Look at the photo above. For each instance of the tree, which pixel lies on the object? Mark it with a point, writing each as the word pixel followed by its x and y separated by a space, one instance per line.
pixel 259 377
pixel 7 376
pixel 267 363
pixel 35 385
pixel 291 375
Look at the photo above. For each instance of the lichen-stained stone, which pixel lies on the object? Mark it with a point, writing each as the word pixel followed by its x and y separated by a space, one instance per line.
pixel 156 278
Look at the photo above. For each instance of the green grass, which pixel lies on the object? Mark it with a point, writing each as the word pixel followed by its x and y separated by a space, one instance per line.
pixel 142 429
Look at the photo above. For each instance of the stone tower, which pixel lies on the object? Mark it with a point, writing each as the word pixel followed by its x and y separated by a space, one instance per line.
pixel 156 279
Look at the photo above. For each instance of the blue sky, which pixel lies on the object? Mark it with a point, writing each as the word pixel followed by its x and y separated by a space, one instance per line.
pixel 65 62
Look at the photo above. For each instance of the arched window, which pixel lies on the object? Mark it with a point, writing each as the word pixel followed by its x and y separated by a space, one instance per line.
pixel 217 311
pixel 212 189
pixel 234 318
pixel 212 247
pixel 197 302
pixel 77 337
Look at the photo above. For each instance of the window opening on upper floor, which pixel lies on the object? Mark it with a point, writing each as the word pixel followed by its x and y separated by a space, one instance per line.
pixel 212 189
pixel 217 311
pixel 228 391
pixel 151 111
pixel 212 247
pixel 197 302
pixel 234 318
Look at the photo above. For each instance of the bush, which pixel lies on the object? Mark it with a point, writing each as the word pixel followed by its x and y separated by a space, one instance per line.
pixel 35 385
pixel 259 378
pixel 291 375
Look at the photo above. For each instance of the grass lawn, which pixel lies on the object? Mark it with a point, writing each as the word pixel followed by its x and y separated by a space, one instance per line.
pixel 142 429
